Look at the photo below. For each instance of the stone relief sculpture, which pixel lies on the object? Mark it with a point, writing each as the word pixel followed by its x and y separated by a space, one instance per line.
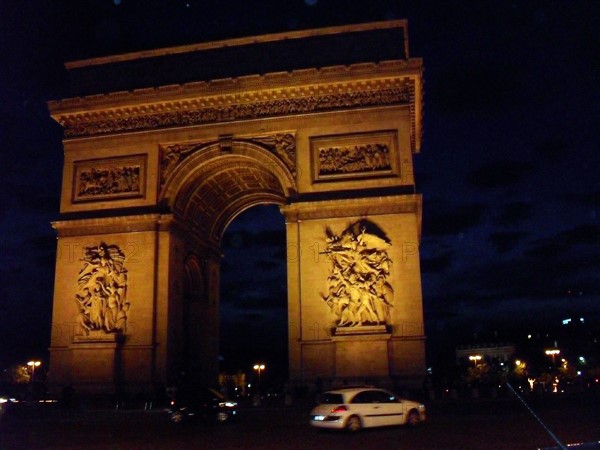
pixel 300 101
pixel 102 290
pixel 359 158
pixel 175 154
pixel 281 144
pixel 358 289
pixel 107 181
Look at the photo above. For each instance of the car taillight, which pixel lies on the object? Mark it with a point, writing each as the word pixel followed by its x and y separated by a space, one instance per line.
pixel 340 408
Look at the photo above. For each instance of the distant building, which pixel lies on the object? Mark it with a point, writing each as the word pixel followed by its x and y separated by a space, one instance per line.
pixel 499 351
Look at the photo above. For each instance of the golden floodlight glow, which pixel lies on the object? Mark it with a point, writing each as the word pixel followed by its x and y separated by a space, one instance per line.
pixel 33 365
pixel 553 352
pixel 259 368
pixel 475 359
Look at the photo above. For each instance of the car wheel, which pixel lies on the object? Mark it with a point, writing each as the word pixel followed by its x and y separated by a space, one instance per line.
pixel 222 417
pixel 353 424
pixel 413 418
pixel 177 417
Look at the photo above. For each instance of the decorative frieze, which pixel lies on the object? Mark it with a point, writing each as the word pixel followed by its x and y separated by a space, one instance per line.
pixel 283 145
pixel 113 178
pixel 226 108
pixel 354 156
pixel 173 155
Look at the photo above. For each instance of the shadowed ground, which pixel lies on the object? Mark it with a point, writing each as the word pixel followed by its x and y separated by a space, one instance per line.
pixel 479 424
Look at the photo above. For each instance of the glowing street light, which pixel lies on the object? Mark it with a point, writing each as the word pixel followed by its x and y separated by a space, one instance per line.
pixel 475 359
pixel 553 352
pixel 259 368
pixel 33 365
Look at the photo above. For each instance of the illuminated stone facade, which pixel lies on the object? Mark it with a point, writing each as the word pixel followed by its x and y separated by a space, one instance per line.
pixel 156 169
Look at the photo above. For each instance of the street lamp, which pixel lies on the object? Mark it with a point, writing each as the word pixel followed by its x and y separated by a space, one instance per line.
pixel 259 368
pixel 33 365
pixel 475 359
pixel 553 352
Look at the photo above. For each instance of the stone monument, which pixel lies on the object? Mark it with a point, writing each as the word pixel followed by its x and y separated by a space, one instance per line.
pixel 164 148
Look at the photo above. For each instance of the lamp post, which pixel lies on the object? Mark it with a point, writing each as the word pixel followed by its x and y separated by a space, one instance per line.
pixel 33 365
pixel 475 359
pixel 259 368
pixel 553 352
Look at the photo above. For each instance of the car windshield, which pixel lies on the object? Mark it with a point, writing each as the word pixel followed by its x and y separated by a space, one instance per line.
pixel 330 398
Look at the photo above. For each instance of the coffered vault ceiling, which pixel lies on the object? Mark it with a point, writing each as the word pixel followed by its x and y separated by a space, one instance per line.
pixel 216 193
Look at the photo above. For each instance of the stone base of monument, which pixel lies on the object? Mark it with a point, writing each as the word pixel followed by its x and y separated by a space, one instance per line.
pixel 360 329
pixel 94 362
pixel 96 336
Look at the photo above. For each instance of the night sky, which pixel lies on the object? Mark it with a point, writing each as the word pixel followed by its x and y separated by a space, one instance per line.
pixel 509 167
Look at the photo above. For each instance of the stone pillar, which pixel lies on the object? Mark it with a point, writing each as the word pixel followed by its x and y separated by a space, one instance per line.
pixel 357 275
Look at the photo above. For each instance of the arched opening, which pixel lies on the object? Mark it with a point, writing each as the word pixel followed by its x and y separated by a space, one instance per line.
pixel 253 300
pixel 231 233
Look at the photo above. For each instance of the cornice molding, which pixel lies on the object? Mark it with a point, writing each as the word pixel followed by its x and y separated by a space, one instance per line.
pixel 255 97
pixel 396 204
pixel 111 225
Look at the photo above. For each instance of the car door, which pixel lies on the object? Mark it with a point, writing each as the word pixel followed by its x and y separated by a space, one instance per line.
pixel 386 408
pixel 362 404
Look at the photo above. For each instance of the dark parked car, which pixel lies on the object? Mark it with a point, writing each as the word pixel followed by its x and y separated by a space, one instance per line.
pixel 200 403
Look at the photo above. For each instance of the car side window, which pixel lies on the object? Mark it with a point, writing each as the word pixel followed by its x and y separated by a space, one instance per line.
pixel 363 397
pixel 380 397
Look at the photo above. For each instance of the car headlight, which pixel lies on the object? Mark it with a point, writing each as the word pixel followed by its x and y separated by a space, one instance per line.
pixel 227 404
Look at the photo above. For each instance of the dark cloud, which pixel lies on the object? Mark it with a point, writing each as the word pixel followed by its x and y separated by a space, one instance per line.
pixel 568 253
pixel 268 265
pixel 499 174
pixel 506 241
pixel 27 199
pixel 248 239
pixel 476 89
pixel 514 213
pixel 553 150
pixel 437 263
pixel 590 198
pixel 263 302
pixel 544 250
pixel 581 235
pixel 460 219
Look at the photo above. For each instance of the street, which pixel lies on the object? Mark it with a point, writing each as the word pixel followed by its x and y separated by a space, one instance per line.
pixel 476 424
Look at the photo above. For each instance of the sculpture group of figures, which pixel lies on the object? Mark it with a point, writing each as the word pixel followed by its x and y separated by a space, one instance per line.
pixel 109 181
pixel 358 291
pixel 101 292
pixel 339 160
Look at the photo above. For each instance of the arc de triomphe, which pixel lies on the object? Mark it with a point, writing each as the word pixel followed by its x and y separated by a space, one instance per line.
pixel 164 148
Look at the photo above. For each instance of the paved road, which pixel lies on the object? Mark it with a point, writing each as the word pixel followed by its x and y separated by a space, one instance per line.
pixel 498 424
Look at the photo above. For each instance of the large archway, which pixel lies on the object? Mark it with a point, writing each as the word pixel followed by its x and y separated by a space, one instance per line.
pixel 159 162
pixel 253 295
pixel 206 191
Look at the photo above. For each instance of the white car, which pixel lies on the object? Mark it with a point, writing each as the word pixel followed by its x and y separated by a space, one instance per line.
pixel 365 407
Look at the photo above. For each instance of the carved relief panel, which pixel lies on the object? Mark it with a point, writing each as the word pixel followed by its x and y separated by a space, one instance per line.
pixel 360 155
pixel 283 145
pixel 358 290
pixel 101 296
pixel 112 178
